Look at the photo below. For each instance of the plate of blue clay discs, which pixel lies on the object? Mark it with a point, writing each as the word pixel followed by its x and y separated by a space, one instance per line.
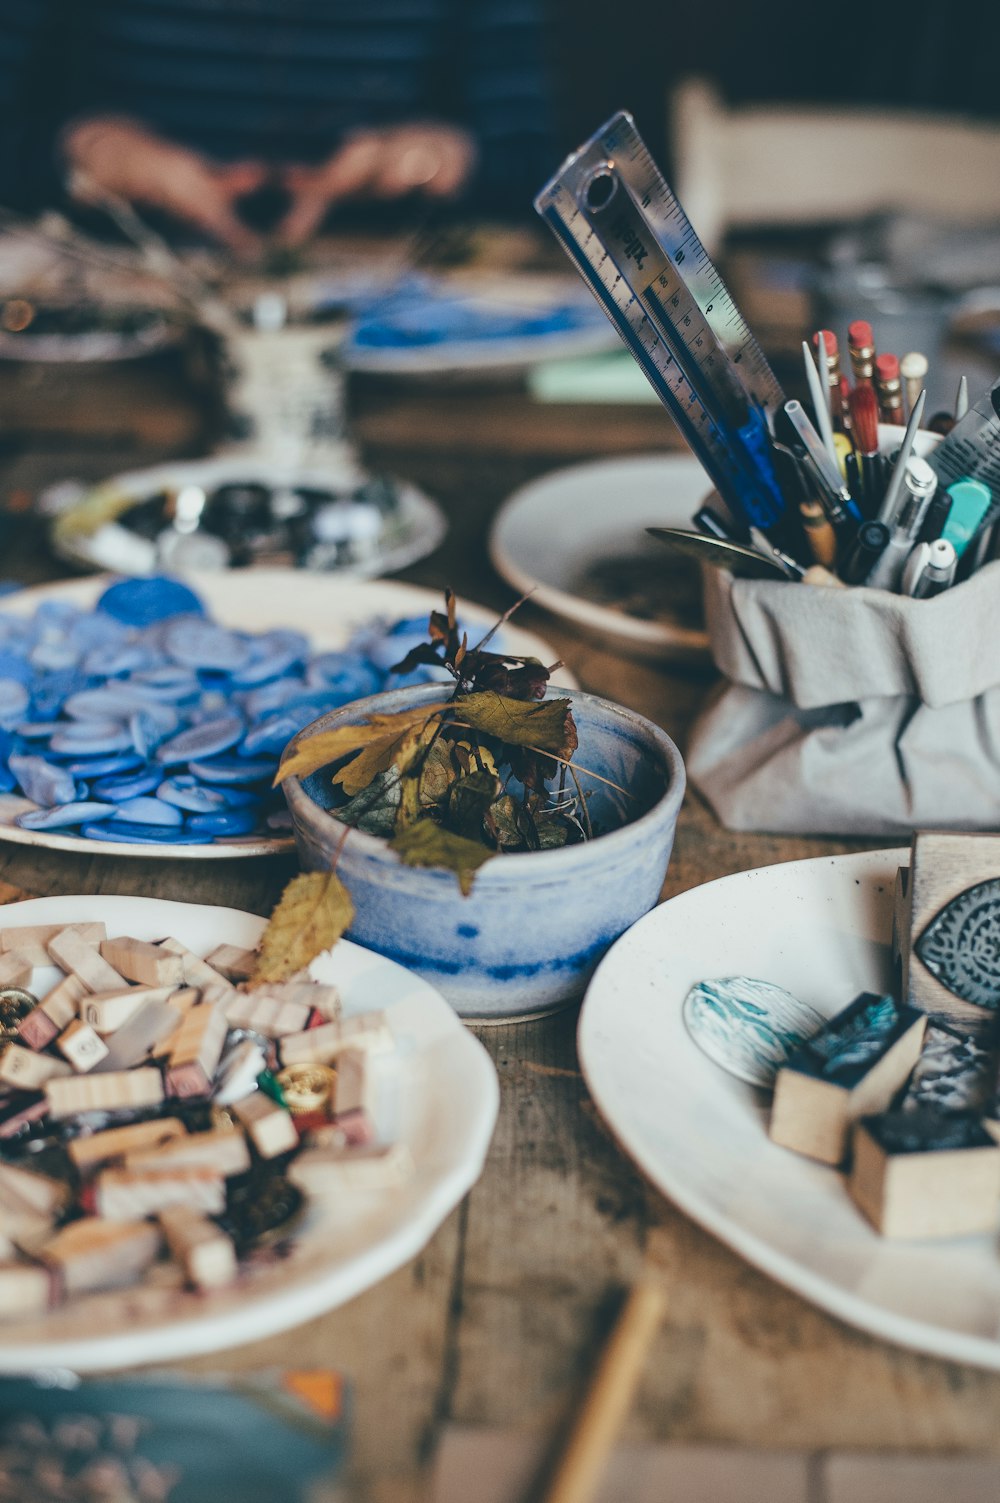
pixel 821 931
pixel 146 717
pixel 468 324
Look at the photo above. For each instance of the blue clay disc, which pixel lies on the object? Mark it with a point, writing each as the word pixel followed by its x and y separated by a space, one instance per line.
pixel 140 602
pixel 63 815
pixel 117 789
pixel 43 782
pixel 148 811
pixel 201 741
pixel 129 834
pixel 185 792
pixel 234 770
pixel 102 767
pixel 228 822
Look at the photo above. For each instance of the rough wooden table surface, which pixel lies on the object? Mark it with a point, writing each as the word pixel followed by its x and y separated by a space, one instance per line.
pixel 497 1322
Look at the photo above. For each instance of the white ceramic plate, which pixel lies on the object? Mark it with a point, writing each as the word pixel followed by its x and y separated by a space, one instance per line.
pixel 821 929
pixel 446 1113
pixel 496 295
pixel 329 610
pixel 549 533
pixel 417 525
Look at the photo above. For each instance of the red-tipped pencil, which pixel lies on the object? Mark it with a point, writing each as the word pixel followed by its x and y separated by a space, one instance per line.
pixel 889 388
pixel 864 431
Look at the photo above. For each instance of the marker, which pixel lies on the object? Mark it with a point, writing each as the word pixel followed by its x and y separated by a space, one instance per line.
pixel 869 545
pixel 939 571
pixel 970 501
pixel 914 569
pixel 919 486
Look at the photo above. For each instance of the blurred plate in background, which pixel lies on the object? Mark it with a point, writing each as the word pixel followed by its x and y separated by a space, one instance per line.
pixel 577 539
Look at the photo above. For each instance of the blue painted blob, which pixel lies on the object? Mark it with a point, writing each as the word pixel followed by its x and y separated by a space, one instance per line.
pixel 467 931
pixel 139 602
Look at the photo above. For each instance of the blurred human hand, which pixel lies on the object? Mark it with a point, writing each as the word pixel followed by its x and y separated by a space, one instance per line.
pixel 121 156
pixel 432 159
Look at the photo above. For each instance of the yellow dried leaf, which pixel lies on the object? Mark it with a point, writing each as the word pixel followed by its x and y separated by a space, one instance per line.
pixel 312 913
pixel 547 725
pixel 427 844
pixel 329 746
pixel 397 749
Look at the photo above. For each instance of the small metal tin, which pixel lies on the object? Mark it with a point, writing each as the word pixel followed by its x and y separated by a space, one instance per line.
pixel 306 1087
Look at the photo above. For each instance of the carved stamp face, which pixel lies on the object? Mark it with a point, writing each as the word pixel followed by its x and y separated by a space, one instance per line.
pixel 961 945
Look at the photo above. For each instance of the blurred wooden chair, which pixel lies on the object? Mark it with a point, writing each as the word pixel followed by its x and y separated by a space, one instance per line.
pixel 780 165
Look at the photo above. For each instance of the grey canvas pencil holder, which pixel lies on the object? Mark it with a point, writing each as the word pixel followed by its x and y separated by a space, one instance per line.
pixel 851 712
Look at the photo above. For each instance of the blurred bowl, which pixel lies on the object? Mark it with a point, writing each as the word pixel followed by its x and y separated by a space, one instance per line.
pixel 529 935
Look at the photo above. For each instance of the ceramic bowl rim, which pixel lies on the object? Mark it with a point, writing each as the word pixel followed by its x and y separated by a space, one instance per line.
pixel 304 808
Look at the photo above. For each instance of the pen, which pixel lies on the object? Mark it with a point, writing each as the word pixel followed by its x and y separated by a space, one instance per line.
pixel 893 491
pixel 837 501
pixel 920 483
pixel 939 571
pixel 935 517
pixel 819 398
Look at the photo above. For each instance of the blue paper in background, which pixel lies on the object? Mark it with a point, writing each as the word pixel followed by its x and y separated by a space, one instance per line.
pixel 171 1439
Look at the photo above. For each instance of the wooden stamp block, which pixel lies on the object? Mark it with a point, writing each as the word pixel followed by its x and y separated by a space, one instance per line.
pixel 197 1049
pixel 950 925
pixel 266 1014
pixel 109 1011
pixel 96 1254
pixel 955 1072
pixel 152 1025
pixel 117 1091
pixel 15 969
pixel 87 1152
pixel 196 972
pixel 312 995
pixel 37 1030
pixel 31 940
pixel 327 1171
pixel 38 1193
pixel 75 955
pixel 232 962
pixel 926 1174
pixel 203 1250
pixel 128 1194
pixel 369 1030
pixel 25 1289
pixel 81 1046
pixel 29 1071
pixel 224 1151
pixel 852 1068
pixel 150 965
pixel 269 1126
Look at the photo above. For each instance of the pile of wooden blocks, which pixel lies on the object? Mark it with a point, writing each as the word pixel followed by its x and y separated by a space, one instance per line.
pixel 109 1069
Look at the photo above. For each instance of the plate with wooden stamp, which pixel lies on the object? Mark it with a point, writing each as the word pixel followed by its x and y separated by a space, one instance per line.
pixel 359 1213
pixel 821 929
pixel 331 614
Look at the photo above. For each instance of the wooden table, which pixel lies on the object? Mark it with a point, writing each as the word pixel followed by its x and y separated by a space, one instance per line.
pixel 497 1322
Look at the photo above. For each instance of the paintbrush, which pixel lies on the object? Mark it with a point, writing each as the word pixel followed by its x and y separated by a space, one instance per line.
pixel 864 427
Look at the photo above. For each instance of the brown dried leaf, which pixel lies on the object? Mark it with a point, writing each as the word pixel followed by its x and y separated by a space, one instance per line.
pixel 427 844
pixel 312 913
pixel 548 726
pixel 329 746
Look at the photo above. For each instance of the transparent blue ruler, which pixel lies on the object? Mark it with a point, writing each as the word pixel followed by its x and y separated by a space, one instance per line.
pixel 628 236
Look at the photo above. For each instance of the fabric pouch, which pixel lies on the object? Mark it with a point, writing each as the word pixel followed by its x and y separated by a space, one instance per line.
pixel 851 712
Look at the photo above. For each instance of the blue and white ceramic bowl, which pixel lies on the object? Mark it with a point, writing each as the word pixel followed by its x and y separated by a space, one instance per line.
pixel 528 937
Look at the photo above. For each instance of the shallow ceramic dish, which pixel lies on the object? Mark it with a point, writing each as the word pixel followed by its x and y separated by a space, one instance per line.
pixel 329 612
pixel 93 532
pixel 577 540
pixel 822 929
pixel 447 1110
pixel 527 938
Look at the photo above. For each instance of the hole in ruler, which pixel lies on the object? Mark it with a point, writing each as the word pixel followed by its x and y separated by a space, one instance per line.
pixel 599 189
